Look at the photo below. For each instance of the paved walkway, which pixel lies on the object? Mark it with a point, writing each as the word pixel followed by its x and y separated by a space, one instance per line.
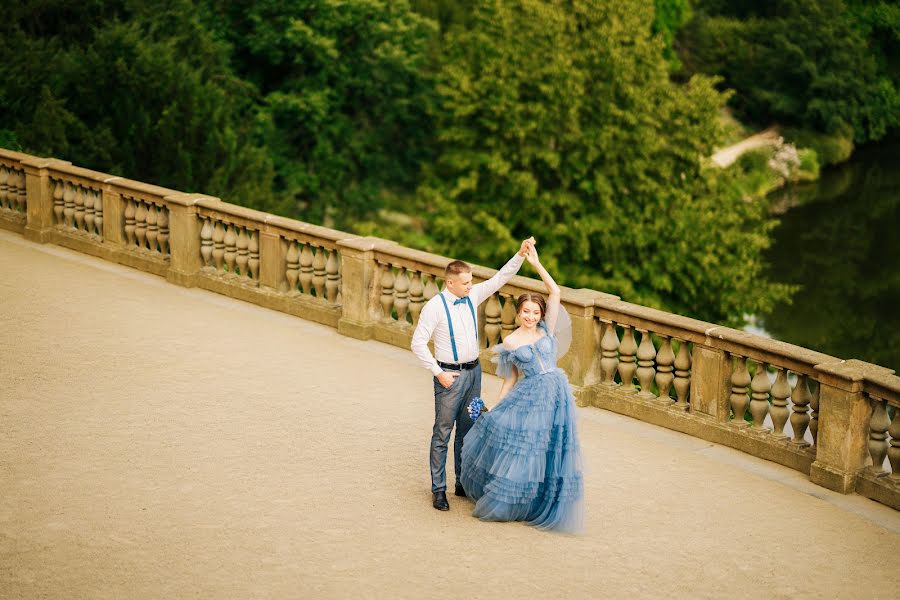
pixel 162 442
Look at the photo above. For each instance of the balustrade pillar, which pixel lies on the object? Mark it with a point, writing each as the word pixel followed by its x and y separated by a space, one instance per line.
pixel 39 198
pixel 184 239
pixel 579 360
pixel 711 382
pixel 360 298
pixel 843 423
pixel 272 260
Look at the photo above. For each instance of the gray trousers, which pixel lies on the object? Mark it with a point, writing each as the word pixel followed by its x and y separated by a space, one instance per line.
pixel 451 406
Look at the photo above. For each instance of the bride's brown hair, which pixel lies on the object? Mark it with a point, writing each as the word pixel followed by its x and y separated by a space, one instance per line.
pixel 530 297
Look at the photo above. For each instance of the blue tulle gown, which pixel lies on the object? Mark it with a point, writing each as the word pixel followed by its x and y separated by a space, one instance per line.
pixel 521 461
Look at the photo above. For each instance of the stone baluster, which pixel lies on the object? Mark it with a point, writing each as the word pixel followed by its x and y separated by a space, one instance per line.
pixel 665 360
pixel 230 248
pixel 162 223
pixel 416 297
pixel 759 398
pixel 387 290
pixel 243 251
pixel 431 289
pixel 740 383
pixel 89 210
pixel 627 351
pixel 318 280
pixel 11 189
pixel 292 260
pixel 4 177
pixel 98 212
pixel 814 415
pixel 492 311
pixel 206 242
pixel 23 193
pixel 253 249
pixel 682 375
pixel 58 189
pixel 878 445
pixel 507 317
pixel 401 294
pixel 69 205
pixel 609 361
pixel 781 391
pixel 800 398
pixel 218 245
pixel 152 227
pixel 894 450
pixel 646 354
pixel 140 224
pixel 306 269
pixel 130 211
pixel 79 208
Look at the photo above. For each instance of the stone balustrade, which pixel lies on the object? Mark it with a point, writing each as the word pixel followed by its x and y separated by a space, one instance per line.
pixel 836 420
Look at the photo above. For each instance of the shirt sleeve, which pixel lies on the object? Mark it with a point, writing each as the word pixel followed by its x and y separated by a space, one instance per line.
pixel 424 330
pixel 484 290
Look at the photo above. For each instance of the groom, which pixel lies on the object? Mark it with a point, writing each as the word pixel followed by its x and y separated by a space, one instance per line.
pixel 450 317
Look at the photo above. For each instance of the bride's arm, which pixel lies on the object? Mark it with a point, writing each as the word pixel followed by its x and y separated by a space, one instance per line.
pixel 508 384
pixel 552 290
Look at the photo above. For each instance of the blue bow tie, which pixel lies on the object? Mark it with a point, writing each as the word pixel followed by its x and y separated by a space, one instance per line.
pixel 459 301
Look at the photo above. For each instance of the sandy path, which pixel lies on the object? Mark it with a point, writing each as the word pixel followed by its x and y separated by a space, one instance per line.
pixel 726 156
pixel 161 442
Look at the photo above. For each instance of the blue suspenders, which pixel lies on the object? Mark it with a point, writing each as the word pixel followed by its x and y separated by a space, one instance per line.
pixel 450 324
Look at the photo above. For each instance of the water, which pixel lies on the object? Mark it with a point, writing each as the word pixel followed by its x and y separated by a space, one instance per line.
pixel 839 240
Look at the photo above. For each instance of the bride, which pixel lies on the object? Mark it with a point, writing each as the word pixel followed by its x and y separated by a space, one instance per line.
pixel 522 461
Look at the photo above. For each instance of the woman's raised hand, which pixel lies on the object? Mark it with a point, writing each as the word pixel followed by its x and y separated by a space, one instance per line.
pixel 532 257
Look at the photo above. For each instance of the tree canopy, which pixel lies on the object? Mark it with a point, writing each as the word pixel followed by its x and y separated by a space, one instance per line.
pixel 461 126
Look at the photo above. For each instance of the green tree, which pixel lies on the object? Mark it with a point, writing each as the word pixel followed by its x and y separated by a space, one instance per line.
pixel 557 119
pixel 344 93
pixel 145 93
pixel 825 65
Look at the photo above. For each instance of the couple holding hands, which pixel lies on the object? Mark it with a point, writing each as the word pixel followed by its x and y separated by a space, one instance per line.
pixel 521 461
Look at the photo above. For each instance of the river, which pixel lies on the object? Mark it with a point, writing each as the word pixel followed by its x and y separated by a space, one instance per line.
pixel 839 241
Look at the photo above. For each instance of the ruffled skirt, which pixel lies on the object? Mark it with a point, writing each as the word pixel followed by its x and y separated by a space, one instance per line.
pixel 522 461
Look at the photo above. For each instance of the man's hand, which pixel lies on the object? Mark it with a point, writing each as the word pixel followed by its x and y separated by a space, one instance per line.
pixel 527 246
pixel 446 379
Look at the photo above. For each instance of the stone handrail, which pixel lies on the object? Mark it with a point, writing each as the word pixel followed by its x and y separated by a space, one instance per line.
pixel 712 382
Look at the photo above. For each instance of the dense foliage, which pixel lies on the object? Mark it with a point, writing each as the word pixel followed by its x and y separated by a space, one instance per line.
pixel 829 66
pixel 459 125
pixel 559 120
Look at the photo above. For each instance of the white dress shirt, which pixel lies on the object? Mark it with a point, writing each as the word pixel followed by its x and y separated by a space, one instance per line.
pixel 433 321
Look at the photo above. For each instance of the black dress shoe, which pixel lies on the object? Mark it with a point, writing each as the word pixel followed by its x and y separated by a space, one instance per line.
pixel 440 501
pixel 459 490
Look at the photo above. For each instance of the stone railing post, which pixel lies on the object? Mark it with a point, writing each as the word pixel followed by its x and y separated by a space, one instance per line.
pixel 39 216
pixel 271 260
pixel 581 357
pixel 113 214
pixel 843 432
pixel 184 238
pixel 710 383
pixel 359 296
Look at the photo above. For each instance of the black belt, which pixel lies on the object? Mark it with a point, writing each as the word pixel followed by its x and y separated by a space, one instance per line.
pixel 459 366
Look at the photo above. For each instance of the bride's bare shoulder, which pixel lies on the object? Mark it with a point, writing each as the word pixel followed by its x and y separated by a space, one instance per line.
pixel 513 340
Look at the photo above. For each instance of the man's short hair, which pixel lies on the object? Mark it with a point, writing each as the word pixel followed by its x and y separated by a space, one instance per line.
pixel 457 267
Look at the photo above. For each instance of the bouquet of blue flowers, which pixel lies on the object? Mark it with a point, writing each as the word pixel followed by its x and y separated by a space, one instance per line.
pixel 476 407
